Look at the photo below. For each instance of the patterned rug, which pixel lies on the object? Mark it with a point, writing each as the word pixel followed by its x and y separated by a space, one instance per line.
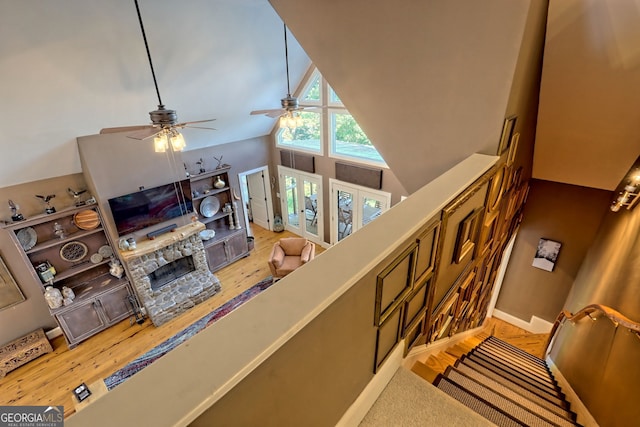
pixel 160 350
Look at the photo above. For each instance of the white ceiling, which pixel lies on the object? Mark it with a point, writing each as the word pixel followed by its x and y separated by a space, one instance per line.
pixel 589 118
pixel 71 68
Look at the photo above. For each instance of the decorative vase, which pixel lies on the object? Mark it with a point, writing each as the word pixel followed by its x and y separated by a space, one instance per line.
pixel 68 293
pixel 219 183
pixel 53 297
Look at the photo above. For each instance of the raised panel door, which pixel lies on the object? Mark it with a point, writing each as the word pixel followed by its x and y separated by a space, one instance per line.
pixel 80 322
pixel 115 304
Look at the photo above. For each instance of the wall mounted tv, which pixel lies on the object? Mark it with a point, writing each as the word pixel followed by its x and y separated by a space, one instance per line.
pixel 151 206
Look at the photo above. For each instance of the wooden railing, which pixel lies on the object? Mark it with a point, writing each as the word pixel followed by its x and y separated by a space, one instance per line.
pixel 617 318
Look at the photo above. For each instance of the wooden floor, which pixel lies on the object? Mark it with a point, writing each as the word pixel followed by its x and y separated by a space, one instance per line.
pixel 50 379
pixel 534 344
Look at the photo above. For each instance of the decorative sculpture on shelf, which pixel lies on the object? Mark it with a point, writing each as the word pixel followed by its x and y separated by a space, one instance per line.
pixel 47 199
pixel 186 172
pixel 219 165
pixel 201 163
pixel 76 196
pixel 15 215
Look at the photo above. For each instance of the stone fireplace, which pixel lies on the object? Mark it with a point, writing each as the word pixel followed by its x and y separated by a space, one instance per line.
pixel 170 274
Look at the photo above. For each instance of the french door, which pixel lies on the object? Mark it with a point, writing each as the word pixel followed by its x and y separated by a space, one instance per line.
pixel 301 203
pixel 353 207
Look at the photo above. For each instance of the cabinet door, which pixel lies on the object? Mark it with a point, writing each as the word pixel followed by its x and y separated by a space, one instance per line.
pixel 80 322
pixel 115 305
pixel 237 246
pixel 216 255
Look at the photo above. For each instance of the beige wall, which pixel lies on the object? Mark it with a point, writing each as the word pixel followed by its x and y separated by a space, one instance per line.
pixel 565 213
pixel 599 360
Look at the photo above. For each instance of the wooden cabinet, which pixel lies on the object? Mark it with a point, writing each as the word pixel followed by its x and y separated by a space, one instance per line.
pixel 214 203
pixel 71 249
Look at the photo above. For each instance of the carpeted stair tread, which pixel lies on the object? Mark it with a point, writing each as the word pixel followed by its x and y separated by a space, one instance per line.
pixel 480 372
pixel 523 355
pixel 506 405
pixel 504 344
pixel 533 381
pixel 511 395
pixel 506 380
pixel 478 405
pixel 522 366
pixel 520 355
pixel 520 358
pixel 543 392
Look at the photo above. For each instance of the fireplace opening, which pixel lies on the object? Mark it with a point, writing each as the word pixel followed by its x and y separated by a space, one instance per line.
pixel 171 271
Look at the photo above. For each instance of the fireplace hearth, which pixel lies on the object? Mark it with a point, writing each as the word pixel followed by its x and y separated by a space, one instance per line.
pixel 170 274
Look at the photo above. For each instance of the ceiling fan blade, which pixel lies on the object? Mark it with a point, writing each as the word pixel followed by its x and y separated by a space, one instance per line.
pixel 198 127
pixel 277 111
pixel 195 121
pixel 144 133
pixel 124 129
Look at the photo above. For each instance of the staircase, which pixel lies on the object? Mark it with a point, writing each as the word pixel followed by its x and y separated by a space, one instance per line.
pixel 499 381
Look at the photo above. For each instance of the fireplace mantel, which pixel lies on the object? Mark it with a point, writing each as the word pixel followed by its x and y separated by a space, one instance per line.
pixel 147 246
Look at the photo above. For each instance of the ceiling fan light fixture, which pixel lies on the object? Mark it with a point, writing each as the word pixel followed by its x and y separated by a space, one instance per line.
pixel 160 143
pixel 290 120
pixel 177 141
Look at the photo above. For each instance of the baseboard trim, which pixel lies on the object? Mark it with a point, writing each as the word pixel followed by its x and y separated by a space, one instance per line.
pixel 536 325
pixel 53 333
pixel 584 416
pixel 357 411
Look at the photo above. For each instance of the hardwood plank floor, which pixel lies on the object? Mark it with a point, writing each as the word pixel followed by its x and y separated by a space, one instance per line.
pixel 534 344
pixel 50 379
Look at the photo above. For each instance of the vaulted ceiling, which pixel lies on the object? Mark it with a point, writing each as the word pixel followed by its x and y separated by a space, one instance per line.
pixel 70 69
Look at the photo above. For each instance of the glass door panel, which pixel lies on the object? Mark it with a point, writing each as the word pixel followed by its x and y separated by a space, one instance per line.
pixel 291 201
pixel 310 194
pixel 372 207
pixel 345 213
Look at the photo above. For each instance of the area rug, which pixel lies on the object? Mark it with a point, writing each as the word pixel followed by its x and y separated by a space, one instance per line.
pixel 160 350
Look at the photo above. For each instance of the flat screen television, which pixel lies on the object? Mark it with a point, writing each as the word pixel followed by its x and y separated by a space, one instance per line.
pixel 151 206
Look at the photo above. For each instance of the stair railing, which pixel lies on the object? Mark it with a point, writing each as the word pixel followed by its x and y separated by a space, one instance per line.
pixel 617 318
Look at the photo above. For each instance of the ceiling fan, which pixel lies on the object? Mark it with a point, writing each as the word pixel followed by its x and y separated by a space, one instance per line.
pixel 289 113
pixel 164 122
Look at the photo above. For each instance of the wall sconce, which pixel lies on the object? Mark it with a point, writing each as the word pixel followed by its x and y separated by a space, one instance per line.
pixel 626 194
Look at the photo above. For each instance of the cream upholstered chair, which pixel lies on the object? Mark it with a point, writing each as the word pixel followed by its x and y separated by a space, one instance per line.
pixel 288 254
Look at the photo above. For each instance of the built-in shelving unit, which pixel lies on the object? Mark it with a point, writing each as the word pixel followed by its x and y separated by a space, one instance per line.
pixel 230 240
pixel 101 299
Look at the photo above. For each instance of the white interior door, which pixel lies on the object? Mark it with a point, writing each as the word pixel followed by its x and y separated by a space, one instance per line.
pixel 257 186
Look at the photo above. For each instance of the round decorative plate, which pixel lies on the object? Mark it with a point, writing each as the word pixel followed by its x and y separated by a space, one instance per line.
pixel 27 238
pixel 73 251
pixel 96 258
pixel 105 251
pixel 87 219
pixel 209 206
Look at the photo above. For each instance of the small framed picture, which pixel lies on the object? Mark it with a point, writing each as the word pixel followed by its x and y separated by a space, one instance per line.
pixel 546 254
pixel 507 133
